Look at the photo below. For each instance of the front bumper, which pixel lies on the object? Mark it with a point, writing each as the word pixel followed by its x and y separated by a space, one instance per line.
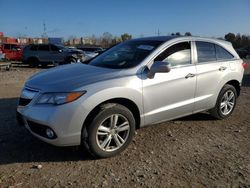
pixel 65 120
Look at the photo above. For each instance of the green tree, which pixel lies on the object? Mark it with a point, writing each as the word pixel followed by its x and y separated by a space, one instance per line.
pixel 178 34
pixel 230 37
pixel 188 34
pixel 126 36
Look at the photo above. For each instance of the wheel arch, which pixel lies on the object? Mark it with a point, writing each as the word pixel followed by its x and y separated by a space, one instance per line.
pixel 67 58
pixel 32 58
pixel 236 85
pixel 122 101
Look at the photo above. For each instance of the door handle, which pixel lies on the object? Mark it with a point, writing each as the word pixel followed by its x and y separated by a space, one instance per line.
pixel 189 75
pixel 222 68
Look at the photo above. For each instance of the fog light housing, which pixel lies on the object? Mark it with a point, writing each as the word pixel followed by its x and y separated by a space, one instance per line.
pixel 50 133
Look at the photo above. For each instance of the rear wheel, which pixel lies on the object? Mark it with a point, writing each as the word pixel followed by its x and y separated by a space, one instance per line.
pixel 111 131
pixel 44 65
pixel 225 103
pixel 33 62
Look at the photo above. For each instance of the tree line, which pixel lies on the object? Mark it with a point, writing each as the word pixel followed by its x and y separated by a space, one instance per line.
pixel 238 40
pixel 107 39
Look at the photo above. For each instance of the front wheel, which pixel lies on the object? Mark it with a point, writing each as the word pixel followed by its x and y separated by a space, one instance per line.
pixel 71 60
pixel 111 131
pixel 225 103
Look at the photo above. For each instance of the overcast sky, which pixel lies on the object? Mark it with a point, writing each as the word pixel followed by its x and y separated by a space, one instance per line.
pixel 78 18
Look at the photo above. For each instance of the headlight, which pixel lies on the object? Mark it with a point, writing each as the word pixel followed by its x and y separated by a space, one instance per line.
pixel 59 98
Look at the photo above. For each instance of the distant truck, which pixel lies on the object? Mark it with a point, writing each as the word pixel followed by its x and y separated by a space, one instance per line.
pixel 12 51
pixel 55 40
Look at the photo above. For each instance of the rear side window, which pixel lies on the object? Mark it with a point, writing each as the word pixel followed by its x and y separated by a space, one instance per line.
pixel 43 47
pixel 7 46
pixel 33 48
pixel 178 54
pixel 221 53
pixel 205 51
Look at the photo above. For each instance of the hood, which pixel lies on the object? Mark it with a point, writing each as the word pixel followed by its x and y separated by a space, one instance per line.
pixel 70 77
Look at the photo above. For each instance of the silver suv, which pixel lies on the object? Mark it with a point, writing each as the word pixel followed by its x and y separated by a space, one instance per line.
pixel 45 54
pixel 136 83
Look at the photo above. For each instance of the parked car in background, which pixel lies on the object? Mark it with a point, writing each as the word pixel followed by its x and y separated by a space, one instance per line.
pixel 91 52
pixel 2 55
pixel 12 51
pixel 134 84
pixel 244 52
pixel 45 54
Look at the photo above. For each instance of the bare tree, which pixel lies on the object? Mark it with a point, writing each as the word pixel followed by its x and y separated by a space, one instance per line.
pixel 106 39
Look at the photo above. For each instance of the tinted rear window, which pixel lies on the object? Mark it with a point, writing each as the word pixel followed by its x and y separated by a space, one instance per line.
pixel 205 51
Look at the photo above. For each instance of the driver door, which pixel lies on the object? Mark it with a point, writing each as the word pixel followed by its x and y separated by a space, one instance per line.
pixel 56 55
pixel 171 95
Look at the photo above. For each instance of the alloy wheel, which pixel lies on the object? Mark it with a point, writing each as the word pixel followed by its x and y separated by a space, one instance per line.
pixel 227 102
pixel 113 132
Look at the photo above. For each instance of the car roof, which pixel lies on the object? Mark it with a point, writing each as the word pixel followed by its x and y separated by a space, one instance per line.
pixel 157 38
pixel 167 38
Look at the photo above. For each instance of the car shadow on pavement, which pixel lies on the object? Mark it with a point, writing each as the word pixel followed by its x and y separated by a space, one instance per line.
pixel 203 116
pixel 17 145
pixel 25 66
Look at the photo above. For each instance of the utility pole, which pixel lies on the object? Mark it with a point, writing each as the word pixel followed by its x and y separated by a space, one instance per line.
pixel 44 30
pixel 158 32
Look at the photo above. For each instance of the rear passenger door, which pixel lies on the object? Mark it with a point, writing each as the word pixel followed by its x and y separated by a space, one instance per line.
pixel 211 68
pixel 43 52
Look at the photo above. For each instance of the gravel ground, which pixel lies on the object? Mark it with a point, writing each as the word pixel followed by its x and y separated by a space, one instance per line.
pixel 195 151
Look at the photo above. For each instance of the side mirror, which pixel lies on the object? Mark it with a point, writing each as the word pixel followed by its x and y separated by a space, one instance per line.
pixel 157 67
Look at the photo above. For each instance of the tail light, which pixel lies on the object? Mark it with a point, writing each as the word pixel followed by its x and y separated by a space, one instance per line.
pixel 244 65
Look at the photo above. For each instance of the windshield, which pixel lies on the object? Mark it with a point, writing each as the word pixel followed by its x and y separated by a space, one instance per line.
pixel 125 55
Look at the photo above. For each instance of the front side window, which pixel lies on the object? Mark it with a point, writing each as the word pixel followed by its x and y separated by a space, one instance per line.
pixel 205 51
pixel 176 55
pixel 126 55
pixel 43 48
pixel 54 48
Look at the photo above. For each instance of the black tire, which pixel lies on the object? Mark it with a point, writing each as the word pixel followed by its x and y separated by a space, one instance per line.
pixel 33 62
pixel 44 65
pixel 92 141
pixel 71 60
pixel 217 111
